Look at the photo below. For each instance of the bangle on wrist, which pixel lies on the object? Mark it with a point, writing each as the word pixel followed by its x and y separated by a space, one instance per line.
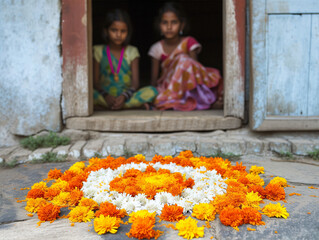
pixel 103 93
pixel 128 93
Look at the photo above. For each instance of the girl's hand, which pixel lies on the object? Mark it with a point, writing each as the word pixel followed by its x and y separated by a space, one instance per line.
pixel 110 100
pixel 119 102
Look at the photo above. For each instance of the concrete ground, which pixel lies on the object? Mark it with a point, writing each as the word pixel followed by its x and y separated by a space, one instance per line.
pixel 303 222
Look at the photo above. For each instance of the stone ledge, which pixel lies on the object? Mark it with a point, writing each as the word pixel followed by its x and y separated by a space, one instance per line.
pixel 154 121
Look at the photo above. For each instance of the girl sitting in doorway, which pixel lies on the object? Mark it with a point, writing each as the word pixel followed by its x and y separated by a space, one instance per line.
pixel 116 68
pixel 184 84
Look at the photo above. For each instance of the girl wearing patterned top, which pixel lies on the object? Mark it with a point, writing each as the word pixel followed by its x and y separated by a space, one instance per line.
pixel 116 68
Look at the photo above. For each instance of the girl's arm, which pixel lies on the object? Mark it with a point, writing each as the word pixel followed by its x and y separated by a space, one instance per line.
pixel 193 54
pixel 155 71
pixel 135 73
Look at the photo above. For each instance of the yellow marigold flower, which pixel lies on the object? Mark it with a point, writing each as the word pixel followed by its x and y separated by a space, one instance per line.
pixel 204 211
pixel 168 158
pixel 252 200
pixel 255 179
pixel 40 185
pixel 275 210
pixel 60 185
pixel 90 203
pixel 81 214
pixel 188 228
pixel 140 213
pixel 77 167
pixel 256 170
pixel 104 224
pixel 279 180
pixel 140 157
pixel 34 204
pixel 62 199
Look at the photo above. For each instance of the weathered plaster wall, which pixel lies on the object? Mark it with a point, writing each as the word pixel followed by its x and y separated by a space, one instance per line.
pixel 30 68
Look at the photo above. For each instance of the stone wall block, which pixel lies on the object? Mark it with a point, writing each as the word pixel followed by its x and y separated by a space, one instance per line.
pixel 207 147
pixel 75 135
pixel 164 148
pixel 278 145
pixel 62 150
pixel 93 147
pixel 114 147
pixel 254 145
pixel 75 150
pixel 236 146
pixel 38 153
pixel 184 145
pixel 19 154
pixel 302 146
pixel 134 146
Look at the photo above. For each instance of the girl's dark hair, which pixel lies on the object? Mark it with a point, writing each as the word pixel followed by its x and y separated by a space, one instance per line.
pixel 175 8
pixel 117 15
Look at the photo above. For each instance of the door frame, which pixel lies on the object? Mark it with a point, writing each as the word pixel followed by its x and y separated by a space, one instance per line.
pixel 77 54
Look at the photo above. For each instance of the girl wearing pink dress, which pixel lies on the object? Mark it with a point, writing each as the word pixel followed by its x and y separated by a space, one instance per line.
pixel 182 82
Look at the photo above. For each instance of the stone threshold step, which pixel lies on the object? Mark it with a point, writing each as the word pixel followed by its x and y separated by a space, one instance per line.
pixel 154 121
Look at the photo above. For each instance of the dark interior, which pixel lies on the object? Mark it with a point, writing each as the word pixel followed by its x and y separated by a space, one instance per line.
pixel 204 18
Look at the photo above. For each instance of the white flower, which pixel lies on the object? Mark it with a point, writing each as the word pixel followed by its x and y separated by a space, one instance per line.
pixel 164 197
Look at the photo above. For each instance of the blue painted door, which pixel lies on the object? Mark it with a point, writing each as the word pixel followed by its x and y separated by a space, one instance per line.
pixel 285 65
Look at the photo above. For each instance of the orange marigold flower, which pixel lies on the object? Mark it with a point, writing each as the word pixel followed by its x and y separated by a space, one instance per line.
pixel 231 216
pixel 90 203
pixel 48 212
pixel 142 228
pixel 109 209
pixel 311 187
pixel 186 154
pixel 35 193
pixel 204 211
pixel 51 193
pixel 172 213
pixel 54 174
pixel 275 192
pixel 252 216
pixel 239 167
pixel 75 197
pixel 150 169
pixel 258 189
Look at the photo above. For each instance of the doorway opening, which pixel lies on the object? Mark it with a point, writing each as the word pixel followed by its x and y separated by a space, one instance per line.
pixel 204 18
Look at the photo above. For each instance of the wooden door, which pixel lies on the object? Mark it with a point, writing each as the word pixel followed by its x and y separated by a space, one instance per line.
pixel 284 65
